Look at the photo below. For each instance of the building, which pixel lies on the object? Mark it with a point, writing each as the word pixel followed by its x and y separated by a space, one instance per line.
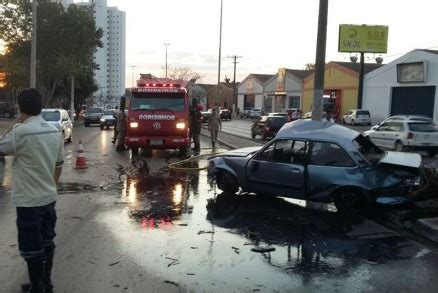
pixel 64 3
pixel 110 76
pixel 250 91
pixel 225 98
pixel 283 90
pixel 200 94
pixel 341 84
pixel 407 85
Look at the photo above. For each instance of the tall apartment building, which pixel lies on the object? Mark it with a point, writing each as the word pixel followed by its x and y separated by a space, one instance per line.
pixel 110 77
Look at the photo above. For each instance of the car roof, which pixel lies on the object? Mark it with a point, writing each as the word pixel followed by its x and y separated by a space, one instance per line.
pixel 318 130
pixel 409 118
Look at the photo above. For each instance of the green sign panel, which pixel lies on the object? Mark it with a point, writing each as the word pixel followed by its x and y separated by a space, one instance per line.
pixel 363 38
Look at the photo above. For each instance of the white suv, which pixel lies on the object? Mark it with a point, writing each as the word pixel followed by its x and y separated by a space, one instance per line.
pixel 403 133
pixel 357 116
pixel 61 119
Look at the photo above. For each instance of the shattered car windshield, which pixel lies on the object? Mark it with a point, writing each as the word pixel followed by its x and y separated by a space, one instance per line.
pixel 369 150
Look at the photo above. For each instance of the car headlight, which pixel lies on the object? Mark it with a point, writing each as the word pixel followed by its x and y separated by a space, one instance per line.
pixel 102 119
pixel 133 124
pixel 181 125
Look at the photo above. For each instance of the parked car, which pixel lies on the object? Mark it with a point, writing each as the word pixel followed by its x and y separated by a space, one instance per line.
pixel 61 119
pixel 206 116
pixel 405 134
pixel 7 110
pixel 225 113
pixel 404 117
pixel 278 114
pixel 93 115
pixel 357 116
pixel 108 119
pixel 267 126
pixel 255 113
pixel 246 113
pixel 319 162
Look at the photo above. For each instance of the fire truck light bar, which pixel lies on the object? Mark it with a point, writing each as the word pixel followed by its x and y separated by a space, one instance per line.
pixel 159 85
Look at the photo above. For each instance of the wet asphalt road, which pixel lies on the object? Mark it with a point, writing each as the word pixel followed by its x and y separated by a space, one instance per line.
pixel 132 225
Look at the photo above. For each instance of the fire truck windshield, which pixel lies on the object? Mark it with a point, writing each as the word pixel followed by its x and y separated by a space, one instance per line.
pixel 157 101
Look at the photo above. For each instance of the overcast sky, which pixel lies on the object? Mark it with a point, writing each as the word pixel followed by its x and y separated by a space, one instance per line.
pixel 268 34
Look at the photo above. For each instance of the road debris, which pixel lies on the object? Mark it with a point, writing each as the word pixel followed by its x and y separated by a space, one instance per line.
pixel 205 232
pixel 171 282
pixel 113 264
pixel 174 262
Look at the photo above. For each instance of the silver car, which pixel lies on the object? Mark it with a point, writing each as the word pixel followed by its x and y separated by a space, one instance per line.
pixel 320 162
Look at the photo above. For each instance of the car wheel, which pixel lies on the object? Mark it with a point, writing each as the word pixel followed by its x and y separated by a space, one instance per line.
pixel 431 153
pixel 399 147
pixel 102 127
pixel 86 124
pixel 226 182
pixel 343 121
pixel 369 124
pixel 253 135
pixel 349 201
pixel 352 122
pixel 69 139
pixel 7 115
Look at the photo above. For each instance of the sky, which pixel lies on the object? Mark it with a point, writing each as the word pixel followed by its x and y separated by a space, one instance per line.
pixel 267 34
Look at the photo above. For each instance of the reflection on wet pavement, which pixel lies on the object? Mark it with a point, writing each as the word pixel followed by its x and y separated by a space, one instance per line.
pixel 172 226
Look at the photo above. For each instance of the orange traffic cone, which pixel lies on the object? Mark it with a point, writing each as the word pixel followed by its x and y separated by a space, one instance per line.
pixel 80 159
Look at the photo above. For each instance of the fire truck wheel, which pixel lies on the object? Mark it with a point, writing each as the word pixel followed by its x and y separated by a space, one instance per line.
pixel 184 152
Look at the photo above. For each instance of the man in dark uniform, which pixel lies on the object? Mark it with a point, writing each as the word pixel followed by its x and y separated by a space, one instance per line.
pixel 196 123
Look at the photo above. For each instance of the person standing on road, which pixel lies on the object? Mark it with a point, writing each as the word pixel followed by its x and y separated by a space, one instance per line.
pixel 196 124
pixel 121 126
pixel 214 125
pixel 38 150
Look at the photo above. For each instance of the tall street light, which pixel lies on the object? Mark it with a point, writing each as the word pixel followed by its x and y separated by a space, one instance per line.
pixel 166 44
pixel 219 66
pixel 133 85
pixel 33 46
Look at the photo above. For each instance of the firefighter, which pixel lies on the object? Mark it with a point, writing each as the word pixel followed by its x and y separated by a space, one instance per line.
pixel 121 126
pixel 196 122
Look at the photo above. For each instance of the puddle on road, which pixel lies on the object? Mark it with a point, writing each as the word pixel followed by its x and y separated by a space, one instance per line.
pixel 172 226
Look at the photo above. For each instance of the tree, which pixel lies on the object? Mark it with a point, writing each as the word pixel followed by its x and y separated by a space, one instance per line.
pixel 309 66
pixel 184 73
pixel 66 41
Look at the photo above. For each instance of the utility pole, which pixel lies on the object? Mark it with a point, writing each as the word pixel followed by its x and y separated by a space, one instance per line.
pixel 318 86
pixel 235 57
pixel 361 74
pixel 133 85
pixel 33 46
pixel 166 44
pixel 219 66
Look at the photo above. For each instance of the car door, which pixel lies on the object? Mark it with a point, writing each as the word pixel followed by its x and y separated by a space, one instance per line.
pixel 278 169
pixel 393 133
pixel 378 136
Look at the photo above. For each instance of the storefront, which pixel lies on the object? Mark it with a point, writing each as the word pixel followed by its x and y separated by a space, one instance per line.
pixel 250 91
pixel 283 90
pixel 405 86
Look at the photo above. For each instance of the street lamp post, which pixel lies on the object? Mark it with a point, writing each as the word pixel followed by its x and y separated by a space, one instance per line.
pixel 33 46
pixel 219 65
pixel 166 44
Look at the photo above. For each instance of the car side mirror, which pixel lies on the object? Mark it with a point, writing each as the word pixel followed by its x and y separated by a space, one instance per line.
pixel 375 127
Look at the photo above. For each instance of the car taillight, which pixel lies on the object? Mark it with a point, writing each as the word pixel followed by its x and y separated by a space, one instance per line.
pixel 410 135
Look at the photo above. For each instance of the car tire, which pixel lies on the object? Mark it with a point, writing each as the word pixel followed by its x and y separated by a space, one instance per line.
pixel 86 124
pixel 431 153
pixel 7 115
pixel 253 135
pixel 69 139
pixel 226 182
pixel 369 124
pixel 399 147
pixel 343 121
pixel 352 122
pixel 102 127
pixel 350 201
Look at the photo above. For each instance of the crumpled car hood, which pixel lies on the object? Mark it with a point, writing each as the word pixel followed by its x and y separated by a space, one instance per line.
pixel 408 160
pixel 242 152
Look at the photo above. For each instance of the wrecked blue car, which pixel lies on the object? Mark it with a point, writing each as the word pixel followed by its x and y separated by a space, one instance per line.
pixel 320 162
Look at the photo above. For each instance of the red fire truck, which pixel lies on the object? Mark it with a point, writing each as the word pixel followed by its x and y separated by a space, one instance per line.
pixel 158 115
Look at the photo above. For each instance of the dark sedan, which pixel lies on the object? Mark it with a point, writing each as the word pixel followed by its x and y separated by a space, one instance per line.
pixel 267 126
